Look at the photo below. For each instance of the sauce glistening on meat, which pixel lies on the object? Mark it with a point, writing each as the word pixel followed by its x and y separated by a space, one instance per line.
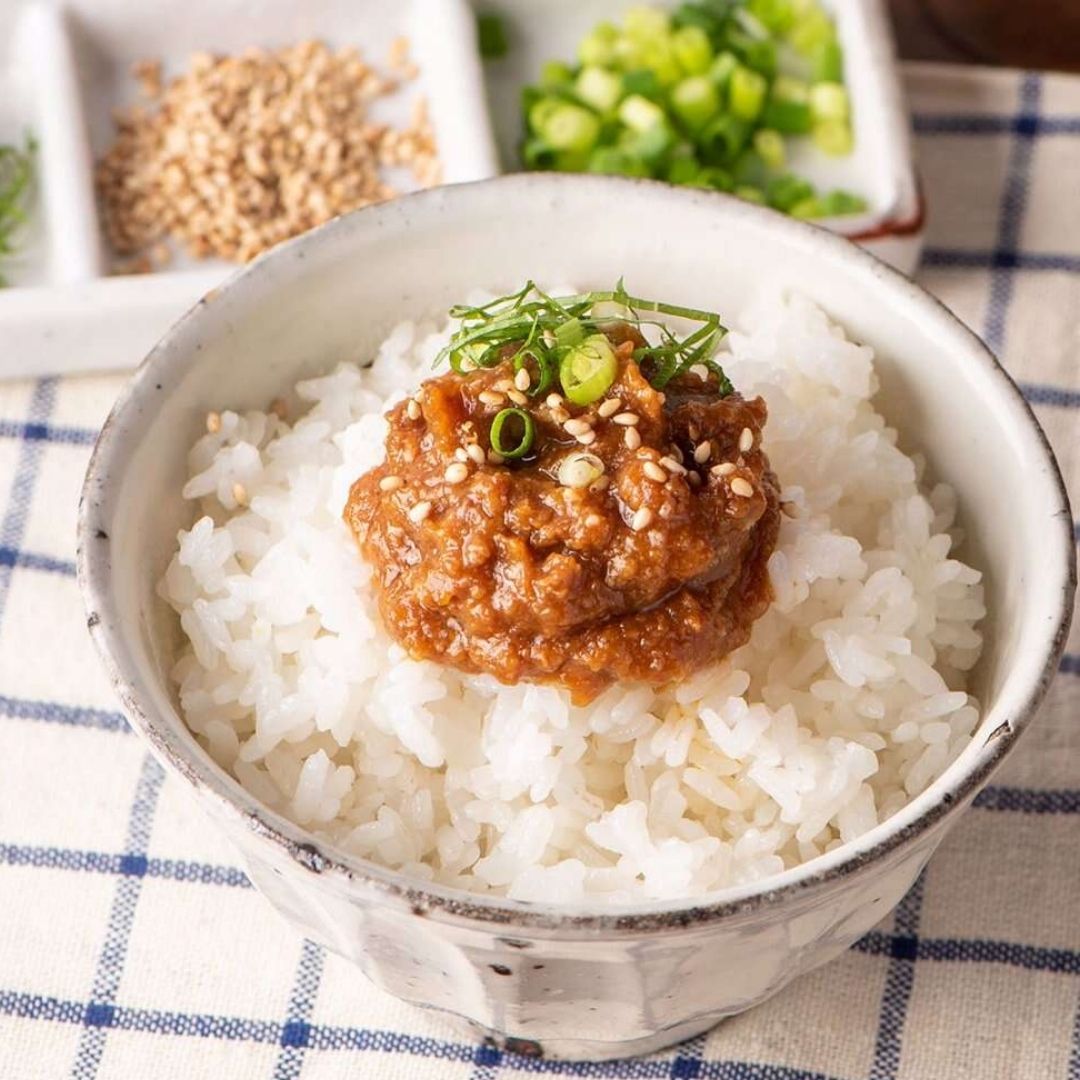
pixel 654 569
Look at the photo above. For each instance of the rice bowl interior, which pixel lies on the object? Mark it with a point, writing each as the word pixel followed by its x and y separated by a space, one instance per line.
pixel 849 699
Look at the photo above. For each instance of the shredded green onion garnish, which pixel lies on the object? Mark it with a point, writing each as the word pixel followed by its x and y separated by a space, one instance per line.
pixel 518 444
pixel 545 329
pixel 16 175
pixel 541 368
pixel 588 370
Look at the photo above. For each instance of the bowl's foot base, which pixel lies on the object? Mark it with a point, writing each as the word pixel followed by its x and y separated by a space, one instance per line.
pixel 573 1048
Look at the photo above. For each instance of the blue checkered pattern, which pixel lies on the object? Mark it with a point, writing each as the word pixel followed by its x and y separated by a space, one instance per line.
pixel 132 946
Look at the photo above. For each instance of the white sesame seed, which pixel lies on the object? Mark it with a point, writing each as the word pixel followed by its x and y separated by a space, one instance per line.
pixel 600 485
pixel 491 397
pixel 549 338
pixel 627 419
pixel 579 470
pixel 213 422
pixel 654 472
pixel 725 469
pixel 517 397
pixel 577 427
pixel 523 380
pixel 560 415
pixel 700 370
pixel 391 483
pixel 420 511
pixel 503 385
pixel 495 458
pixel 672 466
pixel 461 454
pixel 553 401
pixel 739 486
pixel 746 440
pixel 456 472
pixel 587 438
pixel 239 493
pixel 593 520
pixel 468 365
pixel 412 409
pixel 642 519
pixel 632 438
pixel 609 407
pixel 790 509
pixel 677 454
pixel 702 452
pixel 693 431
pixel 476 453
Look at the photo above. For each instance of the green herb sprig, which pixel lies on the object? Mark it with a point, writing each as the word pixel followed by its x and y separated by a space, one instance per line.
pixel 16 176
pixel 546 328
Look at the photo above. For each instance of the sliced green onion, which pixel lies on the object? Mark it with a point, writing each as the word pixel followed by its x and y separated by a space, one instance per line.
pixel 570 333
pixel 810 207
pixel 750 194
pixel 787 117
pixel 555 73
pixel 517 445
pixel 640 114
pixel 588 370
pixel 644 83
pixel 828 63
pixel 617 161
pixel 659 57
pixel 829 101
pixel 723 139
pixel 786 191
pixel 776 15
pixel 747 93
pixel 569 127
pixel 683 170
pixel 842 202
pixel 650 146
pixel 598 47
pixel 695 101
pixel 692 49
pixel 812 29
pixel 716 178
pixel 721 69
pixel 645 23
pixel 770 145
pixel 833 137
pixel 544 365
pixel 788 88
pixel 599 88
pixel 541 110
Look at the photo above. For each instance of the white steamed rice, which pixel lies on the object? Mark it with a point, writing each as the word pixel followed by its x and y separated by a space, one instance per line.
pixel 848 701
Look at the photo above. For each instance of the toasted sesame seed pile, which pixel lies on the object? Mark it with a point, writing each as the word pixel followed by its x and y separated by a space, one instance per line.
pixel 244 151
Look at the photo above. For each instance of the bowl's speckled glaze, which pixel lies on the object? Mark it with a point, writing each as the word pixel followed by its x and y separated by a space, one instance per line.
pixel 575 982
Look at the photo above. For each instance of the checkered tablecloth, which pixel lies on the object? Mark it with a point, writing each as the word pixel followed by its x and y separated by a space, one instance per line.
pixel 131 946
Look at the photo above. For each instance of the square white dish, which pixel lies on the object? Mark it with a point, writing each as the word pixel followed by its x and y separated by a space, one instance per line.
pixel 881 168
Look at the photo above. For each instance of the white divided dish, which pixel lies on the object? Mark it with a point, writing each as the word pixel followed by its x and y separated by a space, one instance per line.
pixel 67 65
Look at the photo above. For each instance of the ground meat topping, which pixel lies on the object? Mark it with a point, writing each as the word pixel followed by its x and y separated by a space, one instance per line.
pixel 630 543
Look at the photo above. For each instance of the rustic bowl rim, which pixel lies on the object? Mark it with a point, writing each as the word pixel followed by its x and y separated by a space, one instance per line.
pixel 940 801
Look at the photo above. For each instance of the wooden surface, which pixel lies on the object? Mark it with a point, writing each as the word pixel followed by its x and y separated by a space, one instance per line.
pixel 1016 33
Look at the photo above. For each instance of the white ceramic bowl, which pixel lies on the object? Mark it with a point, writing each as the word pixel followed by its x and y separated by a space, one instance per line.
pixel 575 982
